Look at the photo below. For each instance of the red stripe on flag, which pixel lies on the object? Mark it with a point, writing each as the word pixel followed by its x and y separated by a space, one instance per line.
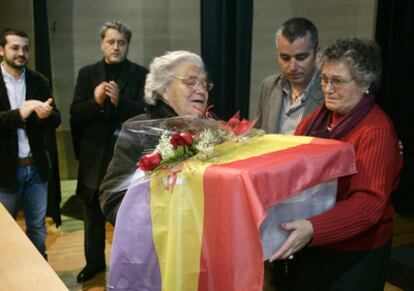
pixel 236 196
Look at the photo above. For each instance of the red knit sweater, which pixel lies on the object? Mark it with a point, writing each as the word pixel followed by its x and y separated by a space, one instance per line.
pixel 363 216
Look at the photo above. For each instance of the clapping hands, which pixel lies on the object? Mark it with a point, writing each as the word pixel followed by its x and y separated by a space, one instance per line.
pixel 42 109
pixel 107 90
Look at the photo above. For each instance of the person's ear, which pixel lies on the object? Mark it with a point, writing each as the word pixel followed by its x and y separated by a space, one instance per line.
pixel 102 43
pixel 165 93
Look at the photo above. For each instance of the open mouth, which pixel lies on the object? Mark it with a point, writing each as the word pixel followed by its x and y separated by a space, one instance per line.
pixel 198 103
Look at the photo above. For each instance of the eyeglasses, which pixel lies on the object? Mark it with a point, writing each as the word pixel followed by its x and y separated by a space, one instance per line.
pixel 336 82
pixel 193 83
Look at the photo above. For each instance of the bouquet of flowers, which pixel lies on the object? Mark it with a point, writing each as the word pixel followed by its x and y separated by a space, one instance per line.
pixel 196 137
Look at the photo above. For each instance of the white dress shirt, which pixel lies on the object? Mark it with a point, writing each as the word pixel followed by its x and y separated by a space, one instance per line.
pixel 16 91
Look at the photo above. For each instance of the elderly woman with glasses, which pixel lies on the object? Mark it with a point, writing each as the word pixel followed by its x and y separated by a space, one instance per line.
pixel 347 247
pixel 176 85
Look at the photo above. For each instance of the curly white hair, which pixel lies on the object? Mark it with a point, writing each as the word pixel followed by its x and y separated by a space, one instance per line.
pixel 162 70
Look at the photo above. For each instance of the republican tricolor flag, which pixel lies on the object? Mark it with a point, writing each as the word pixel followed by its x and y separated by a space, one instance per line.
pixel 203 234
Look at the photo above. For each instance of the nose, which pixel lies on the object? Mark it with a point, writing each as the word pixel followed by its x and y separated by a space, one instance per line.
pixel 328 87
pixel 200 88
pixel 116 45
pixel 292 64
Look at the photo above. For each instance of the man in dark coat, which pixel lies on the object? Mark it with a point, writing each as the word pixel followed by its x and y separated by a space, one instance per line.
pixel 107 93
pixel 27 114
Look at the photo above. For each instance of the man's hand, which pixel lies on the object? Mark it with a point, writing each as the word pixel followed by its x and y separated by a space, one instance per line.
pixel 99 93
pixel 27 108
pixel 112 91
pixel 44 109
pixel 300 235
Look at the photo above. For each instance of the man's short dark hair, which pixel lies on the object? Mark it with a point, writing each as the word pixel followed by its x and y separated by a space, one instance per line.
pixel 11 31
pixel 119 26
pixel 297 27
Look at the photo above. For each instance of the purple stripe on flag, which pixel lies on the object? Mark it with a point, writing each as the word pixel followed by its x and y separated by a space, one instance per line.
pixel 134 263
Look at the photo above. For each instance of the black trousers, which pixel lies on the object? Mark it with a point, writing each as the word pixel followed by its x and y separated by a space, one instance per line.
pixel 320 269
pixel 94 241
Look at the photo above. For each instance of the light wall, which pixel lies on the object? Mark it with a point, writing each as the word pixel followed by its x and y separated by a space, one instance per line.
pixel 157 26
pixel 161 25
pixel 18 14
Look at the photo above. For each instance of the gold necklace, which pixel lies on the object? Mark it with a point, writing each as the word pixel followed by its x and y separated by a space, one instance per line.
pixel 296 96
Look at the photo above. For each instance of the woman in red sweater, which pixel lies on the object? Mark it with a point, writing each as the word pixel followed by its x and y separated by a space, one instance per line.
pixel 347 247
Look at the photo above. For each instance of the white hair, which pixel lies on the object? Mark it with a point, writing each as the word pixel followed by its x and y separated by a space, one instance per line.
pixel 162 70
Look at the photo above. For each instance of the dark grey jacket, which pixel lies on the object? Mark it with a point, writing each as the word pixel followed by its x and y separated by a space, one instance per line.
pixel 270 102
pixel 129 147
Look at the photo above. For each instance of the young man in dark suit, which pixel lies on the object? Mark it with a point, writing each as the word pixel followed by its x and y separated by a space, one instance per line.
pixel 27 113
pixel 107 93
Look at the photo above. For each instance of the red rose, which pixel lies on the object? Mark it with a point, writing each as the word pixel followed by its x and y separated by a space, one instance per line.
pixel 180 139
pixel 240 127
pixel 150 162
pixel 233 122
pixel 187 137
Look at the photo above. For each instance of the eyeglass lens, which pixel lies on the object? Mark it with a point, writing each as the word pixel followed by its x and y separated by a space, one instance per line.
pixel 194 83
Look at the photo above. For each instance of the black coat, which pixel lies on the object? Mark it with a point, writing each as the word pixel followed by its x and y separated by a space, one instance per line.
pixel 129 147
pixel 95 128
pixel 38 131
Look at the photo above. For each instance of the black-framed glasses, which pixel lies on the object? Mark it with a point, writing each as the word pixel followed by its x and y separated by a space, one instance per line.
pixel 336 82
pixel 193 83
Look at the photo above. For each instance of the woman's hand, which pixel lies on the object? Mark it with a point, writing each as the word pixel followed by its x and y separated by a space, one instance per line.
pixel 301 232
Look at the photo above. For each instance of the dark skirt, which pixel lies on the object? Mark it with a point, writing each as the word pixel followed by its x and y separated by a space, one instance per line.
pixel 320 269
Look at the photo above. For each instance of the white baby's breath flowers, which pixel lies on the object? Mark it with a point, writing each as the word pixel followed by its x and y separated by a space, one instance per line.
pixel 165 147
pixel 205 149
pixel 207 139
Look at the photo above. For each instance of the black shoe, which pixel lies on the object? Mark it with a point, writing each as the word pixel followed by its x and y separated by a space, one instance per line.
pixel 88 273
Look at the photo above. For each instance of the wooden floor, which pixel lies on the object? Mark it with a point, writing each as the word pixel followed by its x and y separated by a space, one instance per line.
pixel 65 246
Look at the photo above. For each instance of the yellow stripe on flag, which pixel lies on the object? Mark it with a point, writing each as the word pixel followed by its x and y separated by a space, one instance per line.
pixel 177 216
pixel 174 213
pixel 233 151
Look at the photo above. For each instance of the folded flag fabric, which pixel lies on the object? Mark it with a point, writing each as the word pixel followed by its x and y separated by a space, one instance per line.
pixel 203 234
